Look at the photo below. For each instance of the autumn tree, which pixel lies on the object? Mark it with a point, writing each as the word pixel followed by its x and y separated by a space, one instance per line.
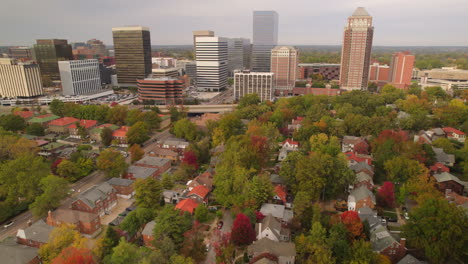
pixel 117 115
pixel 193 245
pixel 111 162
pixel 127 253
pixel 312 248
pixel 138 133
pixel 229 125
pixel 353 224
pixel 190 159
pixel 362 252
pixel 136 152
pixel 166 181
pixel 105 244
pixel 71 255
pixel 59 239
pixel 54 190
pixel 386 194
pixel 148 193
pixel 340 247
pixel 242 232
pixel 438 227
pixel 400 169
pixel 260 189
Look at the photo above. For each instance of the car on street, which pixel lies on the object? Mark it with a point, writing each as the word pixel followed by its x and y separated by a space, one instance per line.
pixel 220 225
pixel 8 224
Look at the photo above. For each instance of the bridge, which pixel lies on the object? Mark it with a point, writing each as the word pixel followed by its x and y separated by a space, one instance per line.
pixel 195 109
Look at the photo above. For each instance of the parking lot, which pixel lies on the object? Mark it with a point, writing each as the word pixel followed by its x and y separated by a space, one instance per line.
pixel 119 208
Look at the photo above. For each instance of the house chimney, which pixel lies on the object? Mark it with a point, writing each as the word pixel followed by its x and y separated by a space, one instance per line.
pixel 403 242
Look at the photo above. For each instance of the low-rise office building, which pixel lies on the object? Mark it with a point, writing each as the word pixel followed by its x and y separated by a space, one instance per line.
pixel 164 90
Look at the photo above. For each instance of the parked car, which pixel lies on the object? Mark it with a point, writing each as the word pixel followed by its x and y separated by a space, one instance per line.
pixel 220 225
pixel 406 216
pixel 131 208
pixel 8 224
pixel 390 219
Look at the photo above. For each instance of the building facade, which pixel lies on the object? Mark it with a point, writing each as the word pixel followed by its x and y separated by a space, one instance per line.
pixel 329 72
pixel 261 83
pixel 19 80
pixel 284 65
pixel 235 55
pixel 132 47
pixel 21 53
pixel 401 69
pixel 212 63
pixel 265 38
pixel 48 52
pixel 201 33
pixel 169 72
pixel 80 76
pixel 163 90
pixel 356 51
pixel 98 47
pixel 379 73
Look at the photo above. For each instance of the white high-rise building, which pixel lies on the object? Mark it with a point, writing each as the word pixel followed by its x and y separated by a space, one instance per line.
pixel 265 38
pixel 80 76
pixel 23 80
pixel 261 83
pixel 212 63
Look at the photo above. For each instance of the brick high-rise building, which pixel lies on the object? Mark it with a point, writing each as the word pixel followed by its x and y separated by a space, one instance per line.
pixel 265 38
pixel 284 61
pixel 356 51
pixel 401 69
pixel 48 52
pixel 328 71
pixel 21 53
pixel 379 73
pixel 132 46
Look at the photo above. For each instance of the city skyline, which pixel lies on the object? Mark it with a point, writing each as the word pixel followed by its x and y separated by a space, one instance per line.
pixel 302 22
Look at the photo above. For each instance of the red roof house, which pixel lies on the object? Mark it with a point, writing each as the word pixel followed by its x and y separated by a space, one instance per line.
pixel 87 124
pixel 121 135
pixel 199 193
pixel 187 205
pixel 353 158
pixel 439 167
pixel 24 114
pixel 61 125
pixel 280 194
pixel 453 133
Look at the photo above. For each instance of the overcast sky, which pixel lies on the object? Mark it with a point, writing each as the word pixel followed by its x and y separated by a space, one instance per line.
pixel 301 22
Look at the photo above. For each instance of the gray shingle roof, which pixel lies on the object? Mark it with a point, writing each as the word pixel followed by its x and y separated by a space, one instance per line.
pixel 286 249
pixel 148 230
pixel 153 161
pixel 270 222
pixel 381 238
pixel 95 193
pixel 141 172
pixel 443 157
pixel 12 253
pixel 361 193
pixel 445 176
pixel 360 166
pixel 120 182
pixel 38 231
pixel 409 259
pixel 362 176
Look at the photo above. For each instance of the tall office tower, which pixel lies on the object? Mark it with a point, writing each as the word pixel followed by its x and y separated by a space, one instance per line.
pixel 265 38
pixel 47 52
pixel 201 33
pixel 284 61
pixel 98 47
pixel 132 46
pixel 235 55
pixel 356 51
pixel 212 63
pixel 21 53
pixel 401 69
pixel 19 80
pixel 80 76
pixel 261 83
pixel 247 52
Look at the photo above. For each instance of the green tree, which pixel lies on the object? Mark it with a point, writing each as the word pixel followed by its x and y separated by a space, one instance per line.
pixel 229 125
pixel 106 136
pixel 135 220
pixel 148 193
pixel 127 253
pixel 260 189
pixel 166 181
pixel 339 246
pixel 362 253
pixel 138 133
pixel 313 247
pixel 400 169
pixel 69 170
pixel 136 152
pixel 201 214
pixel 35 129
pixel 57 107
pixel 173 224
pixel 107 243
pixel 111 162
pixel 12 122
pixel 183 128
pixel 438 227
pixel 54 190
pixel 151 119
pixel 133 116
pixel 247 100
pixel 117 115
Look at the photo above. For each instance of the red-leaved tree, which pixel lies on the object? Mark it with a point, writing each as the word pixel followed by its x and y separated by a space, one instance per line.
pixel 386 194
pixel 71 255
pixel 259 216
pixel 353 223
pixel 242 232
pixel 54 165
pixel 190 159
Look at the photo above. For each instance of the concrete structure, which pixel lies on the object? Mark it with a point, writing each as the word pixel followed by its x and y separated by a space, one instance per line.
pixel 201 33
pixel 265 38
pixel 284 61
pixel 379 73
pixel 328 71
pixel 356 51
pixel 80 76
pixel 445 73
pixel 261 83
pixel 401 69
pixel 132 47
pixel 163 90
pixel 47 52
pixel 212 63
pixel 167 72
pixel 20 53
pixel 162 62
pixel 447 85
pixel 19 80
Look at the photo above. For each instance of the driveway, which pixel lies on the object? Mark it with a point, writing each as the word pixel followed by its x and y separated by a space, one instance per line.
pixel 122 203
pixel 227 226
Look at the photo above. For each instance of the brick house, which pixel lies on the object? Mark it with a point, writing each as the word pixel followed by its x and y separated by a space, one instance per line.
pixel 455 134
pixel 364 179
pixel 86 124
pixel 123 187
pixel 147 234
pixel 202 121
pixel 164 153
pixel 290 145
pixel 199 194
pixel 97 200
pixel 60 126
pixel 205 179
pixel 120 135
pixel 360 197
pixel 161 164
pixel 95 133
pixel 35 235
pixel 175 144
pixel 86 223
pixel 13 253
pixel 285 252
pixel 138 172
pixel 447 181
pixel 384 243
pixel 187 205
pixel 280 195
pixel 354 144
pixel 362 167
pixel 296 124
pixel 354 158
pixel 439 168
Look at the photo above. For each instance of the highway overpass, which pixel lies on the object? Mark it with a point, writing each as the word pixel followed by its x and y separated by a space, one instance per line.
pixel 194 109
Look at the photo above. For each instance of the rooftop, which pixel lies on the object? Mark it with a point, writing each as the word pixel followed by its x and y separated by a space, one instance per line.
pixel 95 193
pixel 153 161
pixel 141 172
pixel 120 182
pixel 187 205
pixel 360 12
pixel 361 193
pixel 64 121
pixel 264 245
pixel 200 190
pixel 43 118
pixel 38 231
pixel 72 216
pixel 13 253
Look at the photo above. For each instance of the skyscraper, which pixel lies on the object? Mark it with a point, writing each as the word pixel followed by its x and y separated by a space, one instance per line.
pixel 98 47
pixel 356 51
pixel 47 53
pixel 22 80
pixel 80 76
pixel 212 63
pixel 132 46
pixel 265 38
pixel 235 55
pixel 401 69
pixel 201 33
pixel 284 61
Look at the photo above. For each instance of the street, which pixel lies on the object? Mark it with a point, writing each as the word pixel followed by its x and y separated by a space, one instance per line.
pixel 224 97
pixel 227 226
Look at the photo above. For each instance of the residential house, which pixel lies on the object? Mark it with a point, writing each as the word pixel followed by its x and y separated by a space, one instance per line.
pixel 120 135
pixel 364 179
pixel 281 196
pixel 13 253
pixel 284 251
pixel 384 243
pixel 359 198
pixel 275 179
pixel 175 144
pixel 60 126
pixel 409 259
pixel 164 153
pixel 354 158
pixel 455 198
pixel 296 124
pixel 138 172
pixel 95 133
pixel 202 121
pixel 86 223
pixel 366 213
pixel 444 158
pixel 99 199
pixel 86 124
pixel 287 146
pixel 204 179
pixel 123 187
pixel 43 119
pixel 171 197
pixel 147 234
pixel 161 164
pixel 272 229
pixel 447 181
pixel 35 235
pixel 277 210
pixel 428 136
pixel 199 194
pixel 354 144
pixel 363 167
pixel 455 134
pixel 438 168
pixel 187 205
pixel 26 115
